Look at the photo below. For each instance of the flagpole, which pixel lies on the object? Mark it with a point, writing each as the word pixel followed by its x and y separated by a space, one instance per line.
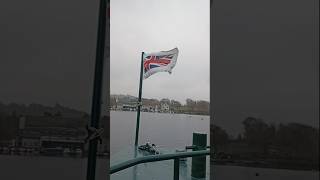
pixel 97 89
pixel 139 102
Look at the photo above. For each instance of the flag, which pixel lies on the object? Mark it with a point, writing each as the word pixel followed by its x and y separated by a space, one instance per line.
pixel 163 61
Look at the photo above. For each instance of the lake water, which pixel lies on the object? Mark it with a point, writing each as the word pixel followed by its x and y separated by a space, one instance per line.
pixel 164 130
pixel 168 131
pixel 54 168
pixel 48 168
pixel 250 173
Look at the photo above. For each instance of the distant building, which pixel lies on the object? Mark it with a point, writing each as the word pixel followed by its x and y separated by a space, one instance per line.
pixel 128 107
pixel 165 107
pixel 41 138
pixel 61 142
pixel 22 122
pixel 42 132
pixel 147 108
pixel 7 143
pixel 29 141
pixel 156 108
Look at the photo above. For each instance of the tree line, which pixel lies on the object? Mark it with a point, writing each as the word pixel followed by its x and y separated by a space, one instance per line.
pixel 293 141
pixel 191 106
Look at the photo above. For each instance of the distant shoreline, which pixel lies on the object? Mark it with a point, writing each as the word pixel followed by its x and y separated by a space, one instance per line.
pixel 198 114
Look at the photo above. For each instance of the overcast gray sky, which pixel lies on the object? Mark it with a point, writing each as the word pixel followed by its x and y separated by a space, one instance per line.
pixel 151 26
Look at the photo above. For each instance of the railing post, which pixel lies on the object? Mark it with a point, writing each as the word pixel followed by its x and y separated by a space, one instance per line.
pixel 198 168
pixel 176 169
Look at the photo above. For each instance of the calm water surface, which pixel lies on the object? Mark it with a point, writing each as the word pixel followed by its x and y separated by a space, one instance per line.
pixel 47 168
pixel 164 130
pixel 250 173
pixel 169 131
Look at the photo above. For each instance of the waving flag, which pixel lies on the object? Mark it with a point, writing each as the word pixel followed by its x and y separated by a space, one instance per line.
pixel 162 61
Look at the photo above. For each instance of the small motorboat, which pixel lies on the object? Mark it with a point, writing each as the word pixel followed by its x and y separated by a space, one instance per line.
pixel 149 148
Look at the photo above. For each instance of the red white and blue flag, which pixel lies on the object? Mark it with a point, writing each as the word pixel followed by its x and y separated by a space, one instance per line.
pixel 163 61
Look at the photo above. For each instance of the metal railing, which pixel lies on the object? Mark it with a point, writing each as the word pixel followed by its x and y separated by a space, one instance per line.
pixel 162 157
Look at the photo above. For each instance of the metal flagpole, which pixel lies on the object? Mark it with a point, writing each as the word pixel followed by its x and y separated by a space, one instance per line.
pixel 97 89
pixel 139 102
